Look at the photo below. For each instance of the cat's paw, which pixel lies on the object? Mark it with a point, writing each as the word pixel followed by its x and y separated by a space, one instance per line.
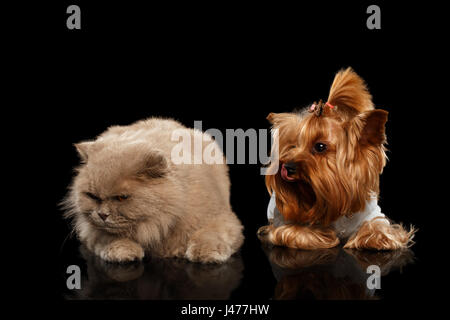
pixel 123 250
pixel 208 252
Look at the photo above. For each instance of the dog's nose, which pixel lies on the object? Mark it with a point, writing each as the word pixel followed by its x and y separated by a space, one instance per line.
pixel 291 167
pixel 103 215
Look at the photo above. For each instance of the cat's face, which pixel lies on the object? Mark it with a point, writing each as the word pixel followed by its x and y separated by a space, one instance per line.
pixel 119 185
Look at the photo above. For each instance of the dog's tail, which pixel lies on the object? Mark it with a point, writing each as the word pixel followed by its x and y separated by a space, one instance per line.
pixel 349 90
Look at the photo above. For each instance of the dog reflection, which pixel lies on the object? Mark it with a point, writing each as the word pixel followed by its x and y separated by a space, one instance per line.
pixel 158 279
pixel 330 274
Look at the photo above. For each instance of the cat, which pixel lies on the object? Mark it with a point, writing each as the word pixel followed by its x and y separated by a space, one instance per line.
pixel 128 198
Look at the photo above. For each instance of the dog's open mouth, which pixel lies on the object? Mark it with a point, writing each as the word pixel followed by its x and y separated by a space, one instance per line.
pixel 287 170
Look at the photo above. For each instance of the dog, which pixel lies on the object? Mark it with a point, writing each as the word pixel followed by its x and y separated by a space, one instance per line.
pixel 331 155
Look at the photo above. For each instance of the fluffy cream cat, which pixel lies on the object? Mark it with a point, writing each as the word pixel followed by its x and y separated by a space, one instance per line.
pixel 129 198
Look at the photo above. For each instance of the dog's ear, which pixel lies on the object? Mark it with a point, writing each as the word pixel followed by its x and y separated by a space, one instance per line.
pixel 350 91
pixel 373 127
pixel 271 117
pixel 276 118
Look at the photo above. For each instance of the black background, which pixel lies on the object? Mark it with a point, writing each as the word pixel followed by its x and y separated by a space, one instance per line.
pixel 229 65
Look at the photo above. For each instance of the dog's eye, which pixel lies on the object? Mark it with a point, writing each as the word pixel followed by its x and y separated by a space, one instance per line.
pixel 93 196
pixel 121 198
pixel 320 147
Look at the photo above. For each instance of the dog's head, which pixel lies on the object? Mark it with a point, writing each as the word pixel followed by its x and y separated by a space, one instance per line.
pixel 330 154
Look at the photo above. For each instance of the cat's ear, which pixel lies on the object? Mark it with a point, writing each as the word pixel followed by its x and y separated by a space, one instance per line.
pixel 83 149
pixel 154 164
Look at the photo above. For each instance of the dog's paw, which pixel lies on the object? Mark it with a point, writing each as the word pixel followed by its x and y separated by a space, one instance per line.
pixel 122 250
pixel 380 235
pixel 263 233
pixel 208 252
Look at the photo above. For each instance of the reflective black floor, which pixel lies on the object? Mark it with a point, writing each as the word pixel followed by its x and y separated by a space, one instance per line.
pixel 295 274
pixel 331 273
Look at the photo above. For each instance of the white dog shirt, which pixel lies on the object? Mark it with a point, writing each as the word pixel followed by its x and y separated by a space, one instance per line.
pixel 344 226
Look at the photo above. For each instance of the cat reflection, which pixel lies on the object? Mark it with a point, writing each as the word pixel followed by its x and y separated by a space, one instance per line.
pixel 330 274
pixel 158 279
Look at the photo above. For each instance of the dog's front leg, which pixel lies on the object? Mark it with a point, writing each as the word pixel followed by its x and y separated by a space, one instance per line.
pixel 298 236
pixel 378 234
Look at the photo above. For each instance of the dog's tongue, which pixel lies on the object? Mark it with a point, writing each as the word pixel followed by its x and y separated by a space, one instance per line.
pixel 284 174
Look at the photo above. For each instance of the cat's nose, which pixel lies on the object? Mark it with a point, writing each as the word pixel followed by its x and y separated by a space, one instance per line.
pixel 103 215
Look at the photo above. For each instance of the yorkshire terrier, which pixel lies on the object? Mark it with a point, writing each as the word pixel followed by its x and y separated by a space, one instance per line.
pixel 331 156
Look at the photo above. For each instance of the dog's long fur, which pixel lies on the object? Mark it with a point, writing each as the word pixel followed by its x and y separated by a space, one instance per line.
pixel 338 181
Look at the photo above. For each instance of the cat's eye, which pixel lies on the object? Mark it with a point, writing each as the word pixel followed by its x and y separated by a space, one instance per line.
pixel 93 196
pixel 320 147
pixel 121 198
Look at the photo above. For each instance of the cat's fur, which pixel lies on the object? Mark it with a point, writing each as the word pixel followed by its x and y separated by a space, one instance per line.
pixel 149 203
